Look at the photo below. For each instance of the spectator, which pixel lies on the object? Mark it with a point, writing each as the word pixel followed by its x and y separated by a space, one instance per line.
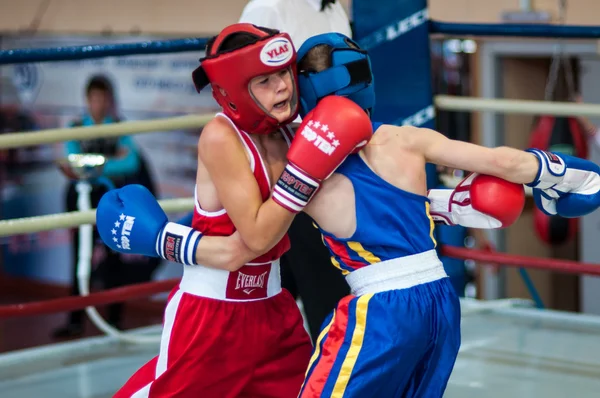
pixel 125 165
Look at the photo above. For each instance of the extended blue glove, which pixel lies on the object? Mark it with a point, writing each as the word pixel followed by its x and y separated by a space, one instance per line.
pixel 565 185
pixel 130 220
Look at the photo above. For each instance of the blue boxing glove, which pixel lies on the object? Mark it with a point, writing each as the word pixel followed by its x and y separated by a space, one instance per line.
pixel 130 220
pixel 565 185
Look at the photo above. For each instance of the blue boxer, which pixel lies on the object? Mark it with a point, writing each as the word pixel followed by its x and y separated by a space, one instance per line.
pixel 398 333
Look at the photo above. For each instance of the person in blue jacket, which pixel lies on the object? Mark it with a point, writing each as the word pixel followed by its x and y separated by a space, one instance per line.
pixel 125 164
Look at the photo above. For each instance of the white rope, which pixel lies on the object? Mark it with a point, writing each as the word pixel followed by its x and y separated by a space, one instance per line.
pixel 473 104
pixel 76 218
pixel 24 139
pixel 28 225
pixel 445 102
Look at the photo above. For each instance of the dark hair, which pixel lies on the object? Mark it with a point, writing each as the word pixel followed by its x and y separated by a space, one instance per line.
pixel 99 82
pixel 319 58
pixel 237 40
pixel 316 60
pixel 104 84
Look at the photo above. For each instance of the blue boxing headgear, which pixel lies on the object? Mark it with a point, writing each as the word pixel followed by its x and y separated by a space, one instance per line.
pixel 349 75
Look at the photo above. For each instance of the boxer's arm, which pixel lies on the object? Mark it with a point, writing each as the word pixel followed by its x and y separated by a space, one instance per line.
pixel 228 253
pixel 261 225
pixel 504 162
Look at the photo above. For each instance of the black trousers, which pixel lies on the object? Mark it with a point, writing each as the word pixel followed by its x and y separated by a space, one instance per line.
pixel 114 270
pixel 307 272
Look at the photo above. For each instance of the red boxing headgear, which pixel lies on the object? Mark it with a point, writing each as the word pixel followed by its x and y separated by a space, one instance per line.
pixel 229 73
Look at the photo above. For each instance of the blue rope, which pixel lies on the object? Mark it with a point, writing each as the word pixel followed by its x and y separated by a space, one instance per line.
pixel 20 56
pixel 520 30
pixel 26 55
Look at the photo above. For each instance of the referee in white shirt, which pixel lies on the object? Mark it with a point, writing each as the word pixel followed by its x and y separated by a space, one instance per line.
pixel 300 19
pixel 306 269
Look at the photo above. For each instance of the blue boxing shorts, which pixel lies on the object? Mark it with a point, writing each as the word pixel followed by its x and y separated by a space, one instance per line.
pixel 397 335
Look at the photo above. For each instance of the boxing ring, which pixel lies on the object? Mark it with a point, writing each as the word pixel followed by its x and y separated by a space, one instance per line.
pixel 509 348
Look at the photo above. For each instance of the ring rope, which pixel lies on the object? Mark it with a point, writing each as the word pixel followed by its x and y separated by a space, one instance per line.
pixel 76 218
pixel 49 136
pixel 72 303
pixel 73 53
pixel 516 30
pixel 514 260
pixel 145 289
pixel 473 104
pixel 445 102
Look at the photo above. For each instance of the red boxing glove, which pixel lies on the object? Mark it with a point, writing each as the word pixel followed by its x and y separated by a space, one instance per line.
pixel 478 201
pixel 329 133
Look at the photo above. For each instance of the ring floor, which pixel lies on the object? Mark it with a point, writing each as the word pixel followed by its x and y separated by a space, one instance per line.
pixel 516 352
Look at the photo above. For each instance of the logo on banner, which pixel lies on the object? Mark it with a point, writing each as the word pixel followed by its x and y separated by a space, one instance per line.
pixel 26 78
pixel 419 118
pixel 394 30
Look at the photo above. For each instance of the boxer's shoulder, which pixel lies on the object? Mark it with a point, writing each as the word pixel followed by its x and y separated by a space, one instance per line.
pixel 388 133
pixel 217 133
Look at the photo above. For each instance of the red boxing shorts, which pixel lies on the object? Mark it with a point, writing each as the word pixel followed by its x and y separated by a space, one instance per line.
pixel 225 335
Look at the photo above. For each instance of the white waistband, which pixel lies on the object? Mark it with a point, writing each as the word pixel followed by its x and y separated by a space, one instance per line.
pixel 250 283
pixel 399 273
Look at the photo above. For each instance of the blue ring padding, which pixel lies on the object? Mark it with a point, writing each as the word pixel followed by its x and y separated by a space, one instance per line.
pixel 19 56
pixel 26 55
pixel 517 30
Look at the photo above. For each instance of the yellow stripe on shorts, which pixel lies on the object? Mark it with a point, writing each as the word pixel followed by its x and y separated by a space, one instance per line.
pixel 317 352
pixel 358 335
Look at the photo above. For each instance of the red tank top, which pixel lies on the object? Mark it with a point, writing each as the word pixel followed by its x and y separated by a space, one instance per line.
pixel 218 223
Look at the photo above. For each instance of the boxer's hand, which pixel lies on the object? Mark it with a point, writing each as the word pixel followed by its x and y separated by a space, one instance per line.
pixel 329 133
pixel 565 185
pixel 131 221
pixel 478 201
